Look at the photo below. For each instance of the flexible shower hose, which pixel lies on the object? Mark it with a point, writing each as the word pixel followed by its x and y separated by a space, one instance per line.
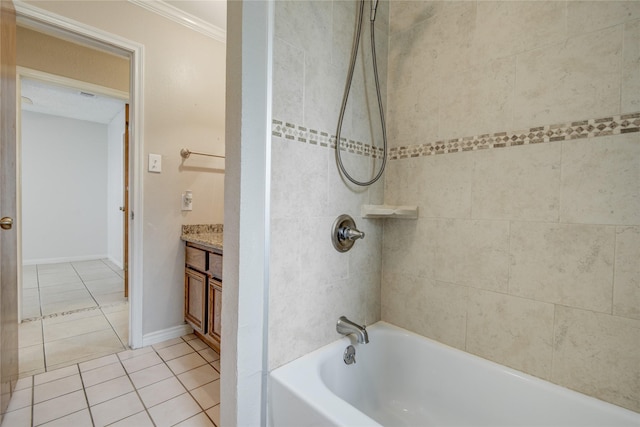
pixel 347 89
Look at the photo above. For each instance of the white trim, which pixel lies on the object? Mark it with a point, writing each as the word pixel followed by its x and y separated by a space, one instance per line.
pixel 136 52
pixel 68 82
pixel 113 261
pixel 166 334
pixel 183 18
pixel 64 259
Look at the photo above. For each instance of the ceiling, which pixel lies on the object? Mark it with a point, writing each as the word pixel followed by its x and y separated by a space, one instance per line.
pixel 68 102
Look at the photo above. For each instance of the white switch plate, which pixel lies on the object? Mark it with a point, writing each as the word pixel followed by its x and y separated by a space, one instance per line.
pixel 155 163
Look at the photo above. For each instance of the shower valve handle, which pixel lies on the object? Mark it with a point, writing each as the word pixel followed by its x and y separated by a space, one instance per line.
pixel 351 234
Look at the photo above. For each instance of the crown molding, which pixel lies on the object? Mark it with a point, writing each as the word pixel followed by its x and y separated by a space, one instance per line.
pixel 183 18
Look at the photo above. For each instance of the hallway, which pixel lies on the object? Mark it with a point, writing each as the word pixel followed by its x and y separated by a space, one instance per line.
pixel 72 312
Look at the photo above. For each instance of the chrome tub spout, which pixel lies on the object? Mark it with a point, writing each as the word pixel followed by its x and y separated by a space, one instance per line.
pixel 346 327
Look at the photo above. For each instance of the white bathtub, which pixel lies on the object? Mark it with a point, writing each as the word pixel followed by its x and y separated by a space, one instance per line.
pixel 403 379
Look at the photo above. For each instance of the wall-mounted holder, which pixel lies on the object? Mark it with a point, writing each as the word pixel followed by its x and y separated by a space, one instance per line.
pixel 344 233
pixel 387 211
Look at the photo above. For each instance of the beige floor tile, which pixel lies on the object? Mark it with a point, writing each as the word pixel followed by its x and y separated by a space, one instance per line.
pixel 214 414
pixel 175 410
pixel 116 409
pixel 57 331
pixel 56 388
pixel 59 407
pixel 208 395
pixel 31 308
pixel 189 337
pixel 82 346
pixel 216 365
pixel 129 354
pixel 77 419
pixel 198 377
pixel 150 375
pixel 110 298
pixel 79 360
pixel 200 420
pixel 197 345
pixel 141 362
pixel 59 289
pixel 108 390
pixel 20 399
pixel 99 275
pixel 23 383
pixel 115 308
pixel 57 279
pixel 209 354
pixel 30 333
pixel 98 363
pixel 30 359
pixel 102 374
pixel 30 373
pixel 18 418
pixel 161 392
pixel 141 419
pixel 174 351
pixel 186 363
pixel 167 343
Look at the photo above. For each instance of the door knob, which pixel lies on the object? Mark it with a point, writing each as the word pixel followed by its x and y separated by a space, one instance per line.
pixel 6 223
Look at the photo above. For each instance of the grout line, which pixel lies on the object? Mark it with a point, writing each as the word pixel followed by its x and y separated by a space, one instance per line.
pixel 33 393
pixel 84 390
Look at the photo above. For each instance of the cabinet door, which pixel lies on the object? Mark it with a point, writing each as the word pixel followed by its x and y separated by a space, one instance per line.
pixel 195 287
pixel 215 310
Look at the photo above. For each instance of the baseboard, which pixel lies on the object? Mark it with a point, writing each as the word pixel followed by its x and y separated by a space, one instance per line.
pixel 166 334
pixel 63 259
pixel 118 264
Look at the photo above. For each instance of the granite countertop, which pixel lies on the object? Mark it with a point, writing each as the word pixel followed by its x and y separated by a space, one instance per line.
pixel 209 235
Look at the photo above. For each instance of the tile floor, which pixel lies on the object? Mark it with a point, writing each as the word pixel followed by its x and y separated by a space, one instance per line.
pixel 72 312
pixel 174 383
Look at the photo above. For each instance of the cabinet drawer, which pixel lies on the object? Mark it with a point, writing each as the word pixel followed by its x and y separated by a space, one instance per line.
pixel 196 258
pixel 215 265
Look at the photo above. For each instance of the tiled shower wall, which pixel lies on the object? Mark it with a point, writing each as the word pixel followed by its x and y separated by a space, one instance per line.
pixel 311 284
pixel 514 128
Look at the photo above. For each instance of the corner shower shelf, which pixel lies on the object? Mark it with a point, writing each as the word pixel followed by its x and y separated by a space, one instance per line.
pixel 387 211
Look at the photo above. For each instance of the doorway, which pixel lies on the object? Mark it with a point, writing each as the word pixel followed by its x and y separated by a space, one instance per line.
pixel 71 195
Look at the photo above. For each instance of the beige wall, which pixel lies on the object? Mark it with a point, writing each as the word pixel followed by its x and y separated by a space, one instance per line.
pixel 311 284
pixel 39 51
pixel 526 250
pixel 184 98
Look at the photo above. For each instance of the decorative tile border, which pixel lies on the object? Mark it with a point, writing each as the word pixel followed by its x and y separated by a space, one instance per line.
pixel 78 310
pixel 612 125
pixel 305 135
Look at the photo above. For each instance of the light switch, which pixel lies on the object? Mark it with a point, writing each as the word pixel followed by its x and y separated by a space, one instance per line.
pixel 155 163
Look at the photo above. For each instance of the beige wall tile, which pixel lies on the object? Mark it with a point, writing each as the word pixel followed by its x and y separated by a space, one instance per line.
pixel 443 185
pixel 563 263
pixel 631 67
pixel 434 309
pixel 521 331
pixel 599 355
pixel 307 25
pixel 288 81
pixel 521 183
pixel 601 180
pixel 409 247
pixel 413 115
pixel 473 253
pixel 405 14
pixel 587 16
pixel 399 177
pixel 506 27
pixel 626 281
pixel 574 80
pixel 478 100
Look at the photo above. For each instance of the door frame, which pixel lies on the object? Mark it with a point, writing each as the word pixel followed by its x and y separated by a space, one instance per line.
pixel 136 53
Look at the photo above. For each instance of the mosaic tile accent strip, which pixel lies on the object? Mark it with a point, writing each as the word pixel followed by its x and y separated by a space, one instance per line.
pixel 613 125
pixel 306 135
pixel 591 128
pixel 79 310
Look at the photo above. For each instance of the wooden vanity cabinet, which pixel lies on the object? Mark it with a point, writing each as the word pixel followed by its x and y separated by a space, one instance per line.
pixel 203 292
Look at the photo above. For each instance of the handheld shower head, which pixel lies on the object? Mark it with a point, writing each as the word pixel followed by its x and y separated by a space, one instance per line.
pixel 374 7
